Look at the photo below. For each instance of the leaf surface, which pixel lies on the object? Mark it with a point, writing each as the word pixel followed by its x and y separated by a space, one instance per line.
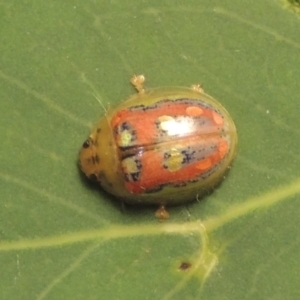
pixel 62 64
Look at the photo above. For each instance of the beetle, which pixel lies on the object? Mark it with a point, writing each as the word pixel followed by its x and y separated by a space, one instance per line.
pixel 163 146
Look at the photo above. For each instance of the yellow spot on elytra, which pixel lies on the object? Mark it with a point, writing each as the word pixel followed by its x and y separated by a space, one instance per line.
pixel 125 138
pixel 194 111
pixel 174 161
pixel 130 165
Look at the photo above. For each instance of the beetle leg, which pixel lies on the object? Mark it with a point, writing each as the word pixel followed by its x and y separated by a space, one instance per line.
pixel 161 213
pixel 197 88
pixel 138 83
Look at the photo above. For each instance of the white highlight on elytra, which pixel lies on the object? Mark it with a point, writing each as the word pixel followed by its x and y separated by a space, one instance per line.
pixel 176 127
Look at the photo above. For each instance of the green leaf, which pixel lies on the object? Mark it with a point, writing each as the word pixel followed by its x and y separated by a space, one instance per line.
pixel 62 64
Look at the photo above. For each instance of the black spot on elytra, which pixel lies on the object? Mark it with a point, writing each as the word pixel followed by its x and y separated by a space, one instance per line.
pixel 187 156
pixel 135 176
pixel 125 126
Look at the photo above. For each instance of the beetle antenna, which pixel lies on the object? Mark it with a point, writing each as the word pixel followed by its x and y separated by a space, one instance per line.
pixel 99 101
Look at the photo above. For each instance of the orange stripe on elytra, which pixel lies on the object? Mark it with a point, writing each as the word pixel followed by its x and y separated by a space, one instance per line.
pixel 154 174
pixel 204 164
pixel 144 122
pixel 223 148
pixel 217 118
